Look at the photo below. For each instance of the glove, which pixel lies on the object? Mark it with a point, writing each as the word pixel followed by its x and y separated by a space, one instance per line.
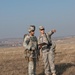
pixel 53 30
pixel 40 46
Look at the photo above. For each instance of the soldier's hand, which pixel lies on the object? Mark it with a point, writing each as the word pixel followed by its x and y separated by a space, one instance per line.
pixel 53 30
pixel 40 46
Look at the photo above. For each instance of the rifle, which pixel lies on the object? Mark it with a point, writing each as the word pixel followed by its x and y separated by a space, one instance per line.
pixel 42 44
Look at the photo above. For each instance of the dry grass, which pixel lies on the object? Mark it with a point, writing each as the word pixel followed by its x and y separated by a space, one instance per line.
pixel 12 61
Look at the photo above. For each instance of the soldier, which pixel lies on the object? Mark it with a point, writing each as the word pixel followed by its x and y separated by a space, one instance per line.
pixel 31 46
pixel 47 47
pixel 25 51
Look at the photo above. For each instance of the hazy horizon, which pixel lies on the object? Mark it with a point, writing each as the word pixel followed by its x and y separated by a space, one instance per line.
pixel 17 15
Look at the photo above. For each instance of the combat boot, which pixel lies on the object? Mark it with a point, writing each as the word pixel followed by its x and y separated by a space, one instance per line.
pixel 53 74
pixel 48 74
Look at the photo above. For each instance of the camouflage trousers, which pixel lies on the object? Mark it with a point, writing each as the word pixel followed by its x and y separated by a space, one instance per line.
pixel 30 57
pixel 48 59
pixel 32 66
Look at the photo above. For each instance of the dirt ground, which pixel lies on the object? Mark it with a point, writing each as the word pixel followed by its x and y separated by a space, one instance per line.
pixel 12 60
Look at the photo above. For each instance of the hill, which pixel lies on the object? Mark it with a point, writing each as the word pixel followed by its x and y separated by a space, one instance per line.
pixel 12 60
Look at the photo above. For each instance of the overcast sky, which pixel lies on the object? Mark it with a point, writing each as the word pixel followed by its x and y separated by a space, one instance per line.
pixel 17 15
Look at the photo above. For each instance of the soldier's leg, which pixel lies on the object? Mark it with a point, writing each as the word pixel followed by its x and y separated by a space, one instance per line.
pixel 52 56
pixel 46 63
pixel 31 68
pixel 34 69
pixel 51 62
pixel 52 51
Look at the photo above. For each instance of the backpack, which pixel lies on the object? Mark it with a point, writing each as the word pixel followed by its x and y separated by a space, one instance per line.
pixel 24 36
pixel 26 53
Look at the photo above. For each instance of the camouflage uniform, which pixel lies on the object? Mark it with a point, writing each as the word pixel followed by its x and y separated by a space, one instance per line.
pixel 30 44
pixel 47 52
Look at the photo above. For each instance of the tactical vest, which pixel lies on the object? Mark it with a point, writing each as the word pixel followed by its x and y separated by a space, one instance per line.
pixel 46 39
pixel 32 43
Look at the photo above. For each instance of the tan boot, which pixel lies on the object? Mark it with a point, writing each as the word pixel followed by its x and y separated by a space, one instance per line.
pixel 48 74
pixel 53 74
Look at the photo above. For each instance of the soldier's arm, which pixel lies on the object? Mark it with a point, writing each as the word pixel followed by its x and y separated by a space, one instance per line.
pixel 26 43
pixel 51 32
